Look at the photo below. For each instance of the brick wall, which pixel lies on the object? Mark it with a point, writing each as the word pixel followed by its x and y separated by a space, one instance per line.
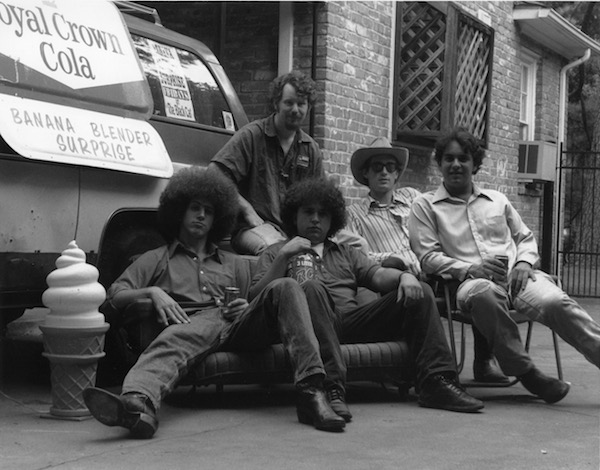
pixel 352 61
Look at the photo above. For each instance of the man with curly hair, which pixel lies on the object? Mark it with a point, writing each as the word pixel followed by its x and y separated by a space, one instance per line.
pixel 313 211
pixel 268 155
pixel 459 229
pixel 197 209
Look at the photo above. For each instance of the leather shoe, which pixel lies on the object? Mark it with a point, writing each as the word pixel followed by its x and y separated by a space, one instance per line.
pixel 444 393
pixel 133 411
pixel 337 401
pixel 487 371
pixel 547 388
pixel 313 408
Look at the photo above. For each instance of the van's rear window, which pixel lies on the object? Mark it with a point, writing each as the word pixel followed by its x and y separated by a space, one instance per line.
pixel 182 86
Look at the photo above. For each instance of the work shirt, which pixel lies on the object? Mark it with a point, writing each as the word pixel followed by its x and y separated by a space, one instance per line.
pixel 449 234
pixel 385 227
pixel 343 270
pixel 253 157
pixel 183 275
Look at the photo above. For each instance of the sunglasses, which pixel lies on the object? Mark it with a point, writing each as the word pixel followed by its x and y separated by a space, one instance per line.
pixel 389 166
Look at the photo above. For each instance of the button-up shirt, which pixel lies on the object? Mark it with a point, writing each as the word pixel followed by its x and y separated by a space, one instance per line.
pixel 254 159
pixel 385 227
pixel 183 275
pixel 449 234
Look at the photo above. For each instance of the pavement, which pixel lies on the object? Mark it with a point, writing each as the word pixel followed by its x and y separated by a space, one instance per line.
pixel 253 427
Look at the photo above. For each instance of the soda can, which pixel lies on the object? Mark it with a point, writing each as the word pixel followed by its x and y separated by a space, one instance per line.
pixel 504 260
pixel 231 293
pixel 303 267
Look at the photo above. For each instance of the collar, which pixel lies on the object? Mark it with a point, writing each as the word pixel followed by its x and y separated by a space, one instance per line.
pixel 271 131
pixel 213 250
pixel 442 194
pixel 397 199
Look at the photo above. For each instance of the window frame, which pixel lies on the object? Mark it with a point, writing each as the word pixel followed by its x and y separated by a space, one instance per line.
pixel 454 16
pixel 529 61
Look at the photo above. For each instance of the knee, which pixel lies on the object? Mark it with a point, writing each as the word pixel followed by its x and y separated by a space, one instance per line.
pixel 284 284
pixel 482 295
pixel 312 287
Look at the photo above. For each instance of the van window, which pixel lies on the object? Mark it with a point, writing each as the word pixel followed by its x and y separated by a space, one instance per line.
pixel 182 86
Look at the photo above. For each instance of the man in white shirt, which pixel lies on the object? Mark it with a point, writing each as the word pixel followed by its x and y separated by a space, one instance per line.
pixel 459 229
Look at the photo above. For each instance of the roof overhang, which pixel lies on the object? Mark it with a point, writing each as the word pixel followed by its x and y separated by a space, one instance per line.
pixel 551 30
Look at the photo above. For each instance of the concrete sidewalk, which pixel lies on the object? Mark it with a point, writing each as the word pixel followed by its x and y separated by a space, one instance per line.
pixel 256 428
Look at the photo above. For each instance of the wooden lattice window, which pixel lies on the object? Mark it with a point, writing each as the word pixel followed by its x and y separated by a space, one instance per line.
pixel 443 72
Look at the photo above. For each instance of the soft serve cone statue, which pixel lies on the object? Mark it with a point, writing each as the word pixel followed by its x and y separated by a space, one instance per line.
pixel 73 331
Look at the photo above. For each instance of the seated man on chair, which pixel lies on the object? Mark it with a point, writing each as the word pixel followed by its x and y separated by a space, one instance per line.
pixel 197 209
pixel 459 229
pixel 381 218
pixel 312 212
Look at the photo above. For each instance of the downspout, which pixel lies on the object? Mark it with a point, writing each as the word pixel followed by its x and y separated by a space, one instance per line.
pixel 562 108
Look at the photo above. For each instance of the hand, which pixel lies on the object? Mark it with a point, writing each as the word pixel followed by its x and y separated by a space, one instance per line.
pixel 234 309
pixel 520 275
pixel 394 261
pixel 295 246
pixel 168 310
pixel 410 289
pixel 490 268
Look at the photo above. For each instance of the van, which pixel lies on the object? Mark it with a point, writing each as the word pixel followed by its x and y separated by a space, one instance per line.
pixel 99 105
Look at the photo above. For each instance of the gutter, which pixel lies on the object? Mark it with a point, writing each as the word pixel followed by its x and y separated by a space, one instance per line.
pixel 562 106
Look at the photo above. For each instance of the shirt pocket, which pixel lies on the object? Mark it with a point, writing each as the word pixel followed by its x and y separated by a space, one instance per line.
pixel 495 228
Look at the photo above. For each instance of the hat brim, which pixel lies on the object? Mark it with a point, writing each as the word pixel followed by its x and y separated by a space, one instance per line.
pixel 361 156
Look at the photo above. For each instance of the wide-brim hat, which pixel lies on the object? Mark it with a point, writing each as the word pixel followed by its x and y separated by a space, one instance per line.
pixel 380 146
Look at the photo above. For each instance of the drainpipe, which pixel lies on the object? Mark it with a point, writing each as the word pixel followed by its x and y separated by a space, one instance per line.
pixel 562 108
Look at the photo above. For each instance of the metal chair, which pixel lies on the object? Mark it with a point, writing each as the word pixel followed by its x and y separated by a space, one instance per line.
pixel 445 288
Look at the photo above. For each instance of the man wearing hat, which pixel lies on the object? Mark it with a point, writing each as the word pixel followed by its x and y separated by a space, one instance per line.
pixel 381 218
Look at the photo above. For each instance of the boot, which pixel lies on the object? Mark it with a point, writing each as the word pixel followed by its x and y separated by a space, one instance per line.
pixel 547 388
pixel 312 407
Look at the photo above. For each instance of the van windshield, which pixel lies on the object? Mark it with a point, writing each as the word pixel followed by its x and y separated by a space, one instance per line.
pixel 182 86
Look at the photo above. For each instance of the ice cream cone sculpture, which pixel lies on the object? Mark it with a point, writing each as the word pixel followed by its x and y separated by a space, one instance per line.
pixel 73 331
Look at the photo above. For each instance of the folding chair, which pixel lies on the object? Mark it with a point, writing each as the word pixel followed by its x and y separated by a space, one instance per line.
pixel 446 287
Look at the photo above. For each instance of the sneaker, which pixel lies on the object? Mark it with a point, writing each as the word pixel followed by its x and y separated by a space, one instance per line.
pixel 133 411
pixel 337 400
pixel 547 388
pixel 446 394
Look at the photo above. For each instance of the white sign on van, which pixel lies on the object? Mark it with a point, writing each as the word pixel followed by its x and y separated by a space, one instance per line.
pixel 80 44
pixel 178 100
pixel 51 132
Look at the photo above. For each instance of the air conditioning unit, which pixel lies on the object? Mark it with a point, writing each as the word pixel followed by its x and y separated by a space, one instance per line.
pixel 537 161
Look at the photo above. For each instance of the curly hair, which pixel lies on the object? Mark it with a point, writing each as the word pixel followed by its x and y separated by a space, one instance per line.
pixel 194 183
pixel 469 143
pixel 310 191
pixel 303 84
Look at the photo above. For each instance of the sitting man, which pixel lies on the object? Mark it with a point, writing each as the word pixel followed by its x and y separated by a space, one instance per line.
pixel 196 211
pixel 312 212
pixel 381 219
pixel 267 156
pixel 459 229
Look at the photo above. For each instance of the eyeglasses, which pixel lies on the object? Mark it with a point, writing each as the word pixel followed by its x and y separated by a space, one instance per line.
pixel 389 166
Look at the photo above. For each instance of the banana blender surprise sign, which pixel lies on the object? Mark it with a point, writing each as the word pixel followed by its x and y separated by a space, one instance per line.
pixel 72 89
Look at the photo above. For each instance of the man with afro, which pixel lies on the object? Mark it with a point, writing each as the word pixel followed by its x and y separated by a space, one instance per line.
pixel 197 209
pixel 312 212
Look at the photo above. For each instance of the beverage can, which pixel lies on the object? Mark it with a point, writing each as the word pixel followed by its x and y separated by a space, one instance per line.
pixel 504 260
pixel 303 267
pixel 231 293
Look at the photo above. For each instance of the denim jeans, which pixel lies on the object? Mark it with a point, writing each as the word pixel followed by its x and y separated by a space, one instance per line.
pixel 254 240
pixel 278 314
pixel 542 301
pixel 381 320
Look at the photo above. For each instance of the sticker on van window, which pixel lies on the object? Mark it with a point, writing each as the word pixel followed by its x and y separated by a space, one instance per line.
pixel 77 43
pixel 56 133
pixel 176 94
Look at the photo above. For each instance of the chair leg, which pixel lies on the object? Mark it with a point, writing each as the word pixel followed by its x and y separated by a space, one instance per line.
pixel 557 356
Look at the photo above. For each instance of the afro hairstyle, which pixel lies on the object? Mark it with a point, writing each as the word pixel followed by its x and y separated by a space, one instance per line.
pixel 310 191
pixel 195 183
